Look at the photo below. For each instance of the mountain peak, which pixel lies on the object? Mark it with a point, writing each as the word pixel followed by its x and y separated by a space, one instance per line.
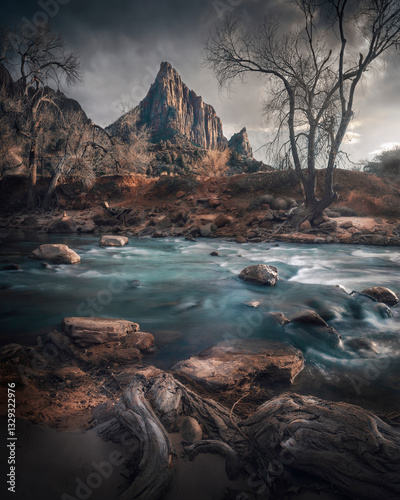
pixel 171 110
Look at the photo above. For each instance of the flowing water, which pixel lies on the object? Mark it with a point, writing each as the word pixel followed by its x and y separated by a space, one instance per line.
pixel 190 300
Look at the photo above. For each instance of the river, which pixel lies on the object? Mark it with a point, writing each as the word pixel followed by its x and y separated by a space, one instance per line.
pixel 190 300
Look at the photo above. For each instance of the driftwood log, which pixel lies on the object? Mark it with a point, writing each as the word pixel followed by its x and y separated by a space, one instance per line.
pixel 339 443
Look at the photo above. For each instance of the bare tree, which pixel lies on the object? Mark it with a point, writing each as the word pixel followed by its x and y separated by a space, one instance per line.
pixel 313 73
pixel 76 160
pixel 131 147
pixel 37 60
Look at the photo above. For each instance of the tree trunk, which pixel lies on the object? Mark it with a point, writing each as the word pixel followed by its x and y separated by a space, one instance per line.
pixel 313 208
pixel 32 194
pixel 53 185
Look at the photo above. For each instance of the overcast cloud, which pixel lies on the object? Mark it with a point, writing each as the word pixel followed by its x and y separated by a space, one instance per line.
pixel 121 44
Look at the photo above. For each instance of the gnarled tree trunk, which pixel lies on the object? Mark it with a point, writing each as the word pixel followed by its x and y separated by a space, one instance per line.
pixel 341 443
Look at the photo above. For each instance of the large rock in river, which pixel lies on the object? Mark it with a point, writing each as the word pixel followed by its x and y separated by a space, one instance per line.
pixel 113 241
pixel 260 274
pixel 58 254
pixel 232 362
pixel 89 331
pixel 382 294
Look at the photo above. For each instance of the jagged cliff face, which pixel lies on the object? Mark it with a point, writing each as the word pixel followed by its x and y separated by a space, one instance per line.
pixel 170 107
pixel 172 111
pixel 240 143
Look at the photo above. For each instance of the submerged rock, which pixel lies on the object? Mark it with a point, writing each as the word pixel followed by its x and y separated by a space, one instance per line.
pixel 279 318
pixel 361 344
pixel 383 310
pixel 89 331
pixel 382 294
pixel 316 326
pixel 58 254
pixel 11 267
pixel 232 362
pixel 260 274
pixel 308 317
pixel 113 241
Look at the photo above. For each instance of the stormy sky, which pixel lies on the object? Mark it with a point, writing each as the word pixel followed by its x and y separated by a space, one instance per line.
pixel 121 44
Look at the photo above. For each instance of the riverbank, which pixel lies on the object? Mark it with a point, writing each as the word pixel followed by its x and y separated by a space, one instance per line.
pixel 252 207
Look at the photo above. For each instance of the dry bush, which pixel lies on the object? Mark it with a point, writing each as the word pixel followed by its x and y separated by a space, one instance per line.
pixel 214 163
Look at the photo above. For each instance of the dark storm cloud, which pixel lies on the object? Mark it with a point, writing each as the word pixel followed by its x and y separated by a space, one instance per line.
pixel 121 44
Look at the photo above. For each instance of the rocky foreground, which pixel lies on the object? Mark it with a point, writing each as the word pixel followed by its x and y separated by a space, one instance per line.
pixel 93 374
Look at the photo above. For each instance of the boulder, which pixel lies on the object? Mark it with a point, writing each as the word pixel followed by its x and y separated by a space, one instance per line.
pixel 58 254
pixel 208 230
pixel 319 326
pixel 230 363
pixel 329 226
pixel 141 340
pixel 62 225
pixel 382 294
pixel 260 274
pixel 163 222
pixel 279 318
pixel 308 317
pixel 88 331
pixel 214 253
pixel 113 241
pixel 222 221
pixel 241 239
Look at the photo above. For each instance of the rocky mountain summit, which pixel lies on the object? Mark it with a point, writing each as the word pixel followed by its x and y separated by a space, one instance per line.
pixel 240 143
pixel 174 112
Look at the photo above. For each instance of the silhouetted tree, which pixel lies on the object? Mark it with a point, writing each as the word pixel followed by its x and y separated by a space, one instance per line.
pixel 37 59
pixel 314 71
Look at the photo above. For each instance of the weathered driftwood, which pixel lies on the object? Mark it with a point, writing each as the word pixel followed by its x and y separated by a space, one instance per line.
pixel 157 451
pixel 341 443
pixel 171 399
pixel 232 463
pixel 135 416
pixel 149 406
